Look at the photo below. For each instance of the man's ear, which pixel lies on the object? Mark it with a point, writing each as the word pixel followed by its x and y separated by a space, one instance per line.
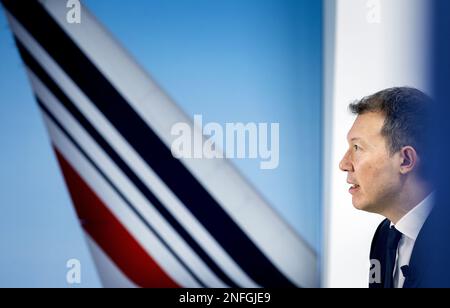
pixel 409 159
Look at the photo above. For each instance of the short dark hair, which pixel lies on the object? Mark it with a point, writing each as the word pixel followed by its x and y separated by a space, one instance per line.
pixel 407 112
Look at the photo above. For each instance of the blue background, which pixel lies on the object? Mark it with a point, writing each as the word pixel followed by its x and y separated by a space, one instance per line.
pixel 229 60
pixel 437 243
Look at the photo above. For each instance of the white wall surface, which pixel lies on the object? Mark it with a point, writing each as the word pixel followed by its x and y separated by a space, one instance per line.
pixel 370 45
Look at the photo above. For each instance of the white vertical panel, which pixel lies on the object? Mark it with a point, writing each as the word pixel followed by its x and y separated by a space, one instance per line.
pixel 375 44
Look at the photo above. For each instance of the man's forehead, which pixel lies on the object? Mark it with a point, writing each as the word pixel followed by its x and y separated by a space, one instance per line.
pixel 366 126
pixel 353 136
pixel 354 139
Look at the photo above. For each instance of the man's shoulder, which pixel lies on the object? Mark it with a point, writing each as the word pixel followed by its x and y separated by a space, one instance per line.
pixel 383 227
pixel 378 250
pixel 380 235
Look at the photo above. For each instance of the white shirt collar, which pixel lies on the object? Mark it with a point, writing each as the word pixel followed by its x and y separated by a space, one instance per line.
pixel 411 224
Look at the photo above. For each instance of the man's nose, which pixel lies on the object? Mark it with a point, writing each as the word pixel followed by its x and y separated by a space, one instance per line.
pixel 345 164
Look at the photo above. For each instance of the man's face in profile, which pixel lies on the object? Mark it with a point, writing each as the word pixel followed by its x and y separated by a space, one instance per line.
pixel 371 169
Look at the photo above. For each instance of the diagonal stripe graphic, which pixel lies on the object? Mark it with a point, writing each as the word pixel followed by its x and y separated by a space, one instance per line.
pixel 37 21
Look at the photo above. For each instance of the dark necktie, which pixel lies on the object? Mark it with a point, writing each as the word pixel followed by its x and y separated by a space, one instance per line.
pixel 391 254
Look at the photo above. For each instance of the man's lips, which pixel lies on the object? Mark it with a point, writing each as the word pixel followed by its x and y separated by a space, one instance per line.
pixel 354 188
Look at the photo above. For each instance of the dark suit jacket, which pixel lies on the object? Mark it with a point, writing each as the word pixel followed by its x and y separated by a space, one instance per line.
pixel 429 258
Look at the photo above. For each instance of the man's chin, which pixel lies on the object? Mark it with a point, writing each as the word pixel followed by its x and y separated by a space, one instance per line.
pixel 361 206
pixel 358 206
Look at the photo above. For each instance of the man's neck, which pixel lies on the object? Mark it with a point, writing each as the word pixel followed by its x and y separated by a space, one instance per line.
pixel 405 201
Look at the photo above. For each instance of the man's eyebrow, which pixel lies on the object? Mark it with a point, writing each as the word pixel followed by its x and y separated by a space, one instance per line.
pixel 357 139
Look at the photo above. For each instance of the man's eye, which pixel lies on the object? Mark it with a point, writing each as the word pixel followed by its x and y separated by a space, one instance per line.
pixel 356 147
